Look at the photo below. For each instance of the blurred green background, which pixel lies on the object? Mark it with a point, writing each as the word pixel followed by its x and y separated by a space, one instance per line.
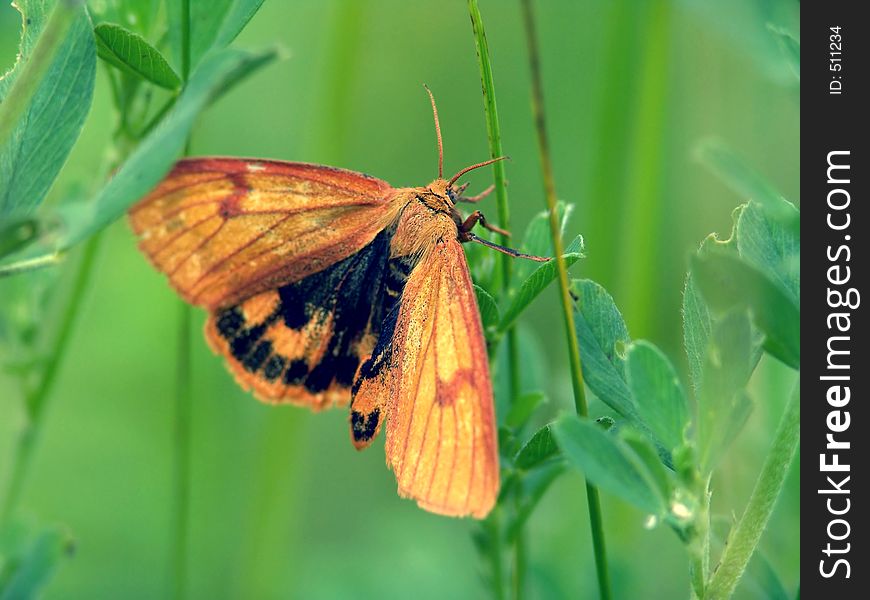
pixel 282 505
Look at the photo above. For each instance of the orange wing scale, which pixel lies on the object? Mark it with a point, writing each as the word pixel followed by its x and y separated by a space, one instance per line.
pixel 434 389
pixel 226 229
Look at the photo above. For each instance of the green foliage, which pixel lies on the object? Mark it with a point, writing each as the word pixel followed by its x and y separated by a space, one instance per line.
pixel 727 281
pixel 540 447
pixel 29 555
pixel 538 240
pixel 657 393
pixel 791 48
pixel 43 102
pixel 603 341
pixel 535 283
pixel 746 181
pixel 610 463
pixel 214 24
pixel 722 401
pixel 489 316
pixel 153 158
pixel 742 294
pixel 523 408
pixel 130 52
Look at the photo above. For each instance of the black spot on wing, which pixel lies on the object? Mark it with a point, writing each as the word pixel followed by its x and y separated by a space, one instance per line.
pixel 296 372
pixel 363 427
pixel 382 352
pixel 229 322
pixel 274 367
pixel 256 357
pixel 357 295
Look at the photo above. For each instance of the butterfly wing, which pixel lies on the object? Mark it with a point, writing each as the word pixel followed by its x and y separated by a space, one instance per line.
pixel 227 229
pixel 302 343
pixel 429 377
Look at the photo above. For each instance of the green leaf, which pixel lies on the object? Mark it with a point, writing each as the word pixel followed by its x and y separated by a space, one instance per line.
pixel 791 48
pixel 697 324
pixel 44 100
pixel 214 24
pixel 16 234
pixel 723 405
pixel 482 264
pixel 538 240
pixel 727 281
pixel 697 320
pixel 648 455
pixel 540 448
pixel 488 308
pixel 130 52
pixel 30 558
pixel 747 182
pixel 609 463
pixel 536 282
pixel 770 247
pixel 156 154
pixel 535 485
pixel 603 339
pixel 657 393
pixel 523 407
pixel 760 576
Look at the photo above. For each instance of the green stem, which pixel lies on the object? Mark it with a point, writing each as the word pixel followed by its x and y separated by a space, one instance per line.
pixel 493 131
pixel 37 399
pixel 30 76
pixel 31 264
pixel 595 519
pixel 185 40
pixel 744 538
pixel 519 575
pixel 181 504
pixel 699 543
pixel 182 455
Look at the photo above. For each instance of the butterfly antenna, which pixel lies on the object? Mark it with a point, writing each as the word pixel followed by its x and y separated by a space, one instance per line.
pixel 437 133
pixel 473 167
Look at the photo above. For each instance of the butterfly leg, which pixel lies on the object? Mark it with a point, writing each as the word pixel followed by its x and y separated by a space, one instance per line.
pixel 473 199
pixel 475 218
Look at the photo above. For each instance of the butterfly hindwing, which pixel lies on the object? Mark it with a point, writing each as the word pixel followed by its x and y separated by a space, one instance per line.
pixel 303 342
pixel 429 377
pixel 227 229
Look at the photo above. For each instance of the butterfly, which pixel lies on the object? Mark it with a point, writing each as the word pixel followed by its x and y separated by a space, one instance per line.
pixel 327 287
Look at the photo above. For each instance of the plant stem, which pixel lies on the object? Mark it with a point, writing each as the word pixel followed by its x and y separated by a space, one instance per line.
pixel 744 538
pixel 699 543
pixel 519 575
pixel 595 519
pixel 498 169
pixel 182 454
pixel 185 40
pixel 31 264
pixel 34 67
pixel 36 400
pixel 492 527
pixel 181 503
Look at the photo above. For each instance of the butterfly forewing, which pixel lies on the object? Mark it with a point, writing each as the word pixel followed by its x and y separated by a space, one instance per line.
pixel 227 229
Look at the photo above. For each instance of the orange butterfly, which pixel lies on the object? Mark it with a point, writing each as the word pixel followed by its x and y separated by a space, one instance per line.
pixel 327 286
